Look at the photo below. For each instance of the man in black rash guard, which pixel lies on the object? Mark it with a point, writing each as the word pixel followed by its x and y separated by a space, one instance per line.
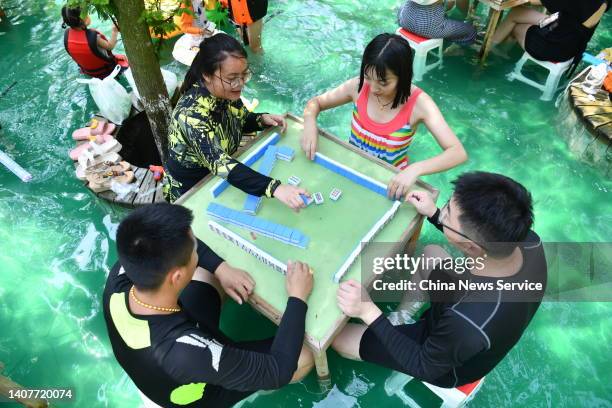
pixel 465 333
pixel 162 315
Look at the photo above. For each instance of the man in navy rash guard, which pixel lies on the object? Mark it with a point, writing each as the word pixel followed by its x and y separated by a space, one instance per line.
pixel 465 333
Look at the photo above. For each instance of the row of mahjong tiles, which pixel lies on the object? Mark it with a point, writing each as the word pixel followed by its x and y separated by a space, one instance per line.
pixel 269 152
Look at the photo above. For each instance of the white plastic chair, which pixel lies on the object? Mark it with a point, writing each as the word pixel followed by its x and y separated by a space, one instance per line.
pixel 451 397
pixel 555 72
pixel 422 46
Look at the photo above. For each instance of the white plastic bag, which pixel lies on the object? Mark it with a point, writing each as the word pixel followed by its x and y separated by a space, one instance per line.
pixel 170 80
pixel 111 97
pixel 123 189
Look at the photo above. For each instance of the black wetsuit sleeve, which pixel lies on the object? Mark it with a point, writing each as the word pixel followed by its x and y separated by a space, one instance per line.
pixel 195 358
pixel 552 6
pixel 117 282
pixel 205 138
pixel 207 258
pixel 250 181
pixel 451 342
pixel 435 220
pixel 253 123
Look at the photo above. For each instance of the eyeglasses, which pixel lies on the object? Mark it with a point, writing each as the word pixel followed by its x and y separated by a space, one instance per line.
pixel 444 215
pixel 237 82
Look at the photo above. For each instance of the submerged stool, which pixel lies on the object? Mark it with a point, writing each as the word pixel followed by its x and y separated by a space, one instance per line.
pixel 421 47
pixel 556 70
pixel 451 397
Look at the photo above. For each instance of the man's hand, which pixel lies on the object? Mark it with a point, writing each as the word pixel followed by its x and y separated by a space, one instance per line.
pixel 423 202
pixel 237 283
pixel 274 120
pixel 290 196
pixel 354 301
pixel 299 280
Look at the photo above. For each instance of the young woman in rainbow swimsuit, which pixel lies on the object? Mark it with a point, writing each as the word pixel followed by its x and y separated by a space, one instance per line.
pixel 387 111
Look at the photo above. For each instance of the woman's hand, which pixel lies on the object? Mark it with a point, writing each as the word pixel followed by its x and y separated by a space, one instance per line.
pixel 274 120
pixel 402 181
pixel 309 139
pixel 290 196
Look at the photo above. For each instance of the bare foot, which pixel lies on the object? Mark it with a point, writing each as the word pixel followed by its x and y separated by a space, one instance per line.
pixel 498 52
pixel 454 50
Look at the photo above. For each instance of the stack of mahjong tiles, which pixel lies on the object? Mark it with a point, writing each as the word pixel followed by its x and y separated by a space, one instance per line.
pixel 252 203
pixel 285 153
pixel 269 229
pixel 246 246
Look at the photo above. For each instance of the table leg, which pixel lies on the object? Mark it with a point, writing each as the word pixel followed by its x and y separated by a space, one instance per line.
pixel 494 16
pixel 322 370
pixel 412 242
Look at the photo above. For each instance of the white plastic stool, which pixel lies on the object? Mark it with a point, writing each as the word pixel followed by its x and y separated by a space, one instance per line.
pixel 421 47
pixel 556 71
pixel 451 397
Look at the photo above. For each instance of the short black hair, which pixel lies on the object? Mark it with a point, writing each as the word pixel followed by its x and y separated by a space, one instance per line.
pixel 152 240
pixel 495 210
pixel 392 52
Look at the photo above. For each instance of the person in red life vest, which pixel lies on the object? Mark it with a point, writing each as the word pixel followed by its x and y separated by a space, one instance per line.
pixel 89 48
pixel 196 24
pixel 248 15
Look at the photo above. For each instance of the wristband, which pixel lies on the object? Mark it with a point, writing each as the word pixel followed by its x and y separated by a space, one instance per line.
pixel 274 186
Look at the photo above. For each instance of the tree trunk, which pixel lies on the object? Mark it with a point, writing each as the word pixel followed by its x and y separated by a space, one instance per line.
pixel 145 68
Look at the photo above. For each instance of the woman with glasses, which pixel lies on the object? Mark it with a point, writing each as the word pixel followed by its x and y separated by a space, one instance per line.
pixel 208 123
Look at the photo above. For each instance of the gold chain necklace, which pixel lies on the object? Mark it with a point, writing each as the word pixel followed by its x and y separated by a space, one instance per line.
pixel 158 308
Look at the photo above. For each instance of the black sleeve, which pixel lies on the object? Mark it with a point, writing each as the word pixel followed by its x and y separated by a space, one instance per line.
pixel 553 6
pixel 250 181
pixel 435 220
pixel 451 342
pixel 116 282
pixel 252 123
pixel 195 358
pixel 207 258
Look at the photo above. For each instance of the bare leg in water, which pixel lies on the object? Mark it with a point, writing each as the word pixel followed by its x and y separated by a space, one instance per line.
pixel 413 300
pixel 516 24
pixel 254 32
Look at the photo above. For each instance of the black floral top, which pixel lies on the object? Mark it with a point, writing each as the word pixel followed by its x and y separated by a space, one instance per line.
pixel 204 133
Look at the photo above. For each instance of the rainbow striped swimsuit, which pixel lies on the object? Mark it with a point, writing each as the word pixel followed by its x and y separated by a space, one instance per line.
pixel 386 141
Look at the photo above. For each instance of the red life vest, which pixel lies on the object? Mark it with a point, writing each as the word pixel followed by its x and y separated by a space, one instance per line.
pixel 82 46
pixel 240 12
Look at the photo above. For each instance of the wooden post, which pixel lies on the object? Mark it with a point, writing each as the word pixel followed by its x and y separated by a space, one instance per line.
pixel 494 16
pixel 322 370
pixel 6 385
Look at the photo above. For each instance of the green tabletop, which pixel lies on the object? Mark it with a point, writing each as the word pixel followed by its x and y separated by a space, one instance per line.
pixel 334 227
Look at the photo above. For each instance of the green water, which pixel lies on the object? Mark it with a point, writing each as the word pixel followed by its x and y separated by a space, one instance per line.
pixel 57 240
